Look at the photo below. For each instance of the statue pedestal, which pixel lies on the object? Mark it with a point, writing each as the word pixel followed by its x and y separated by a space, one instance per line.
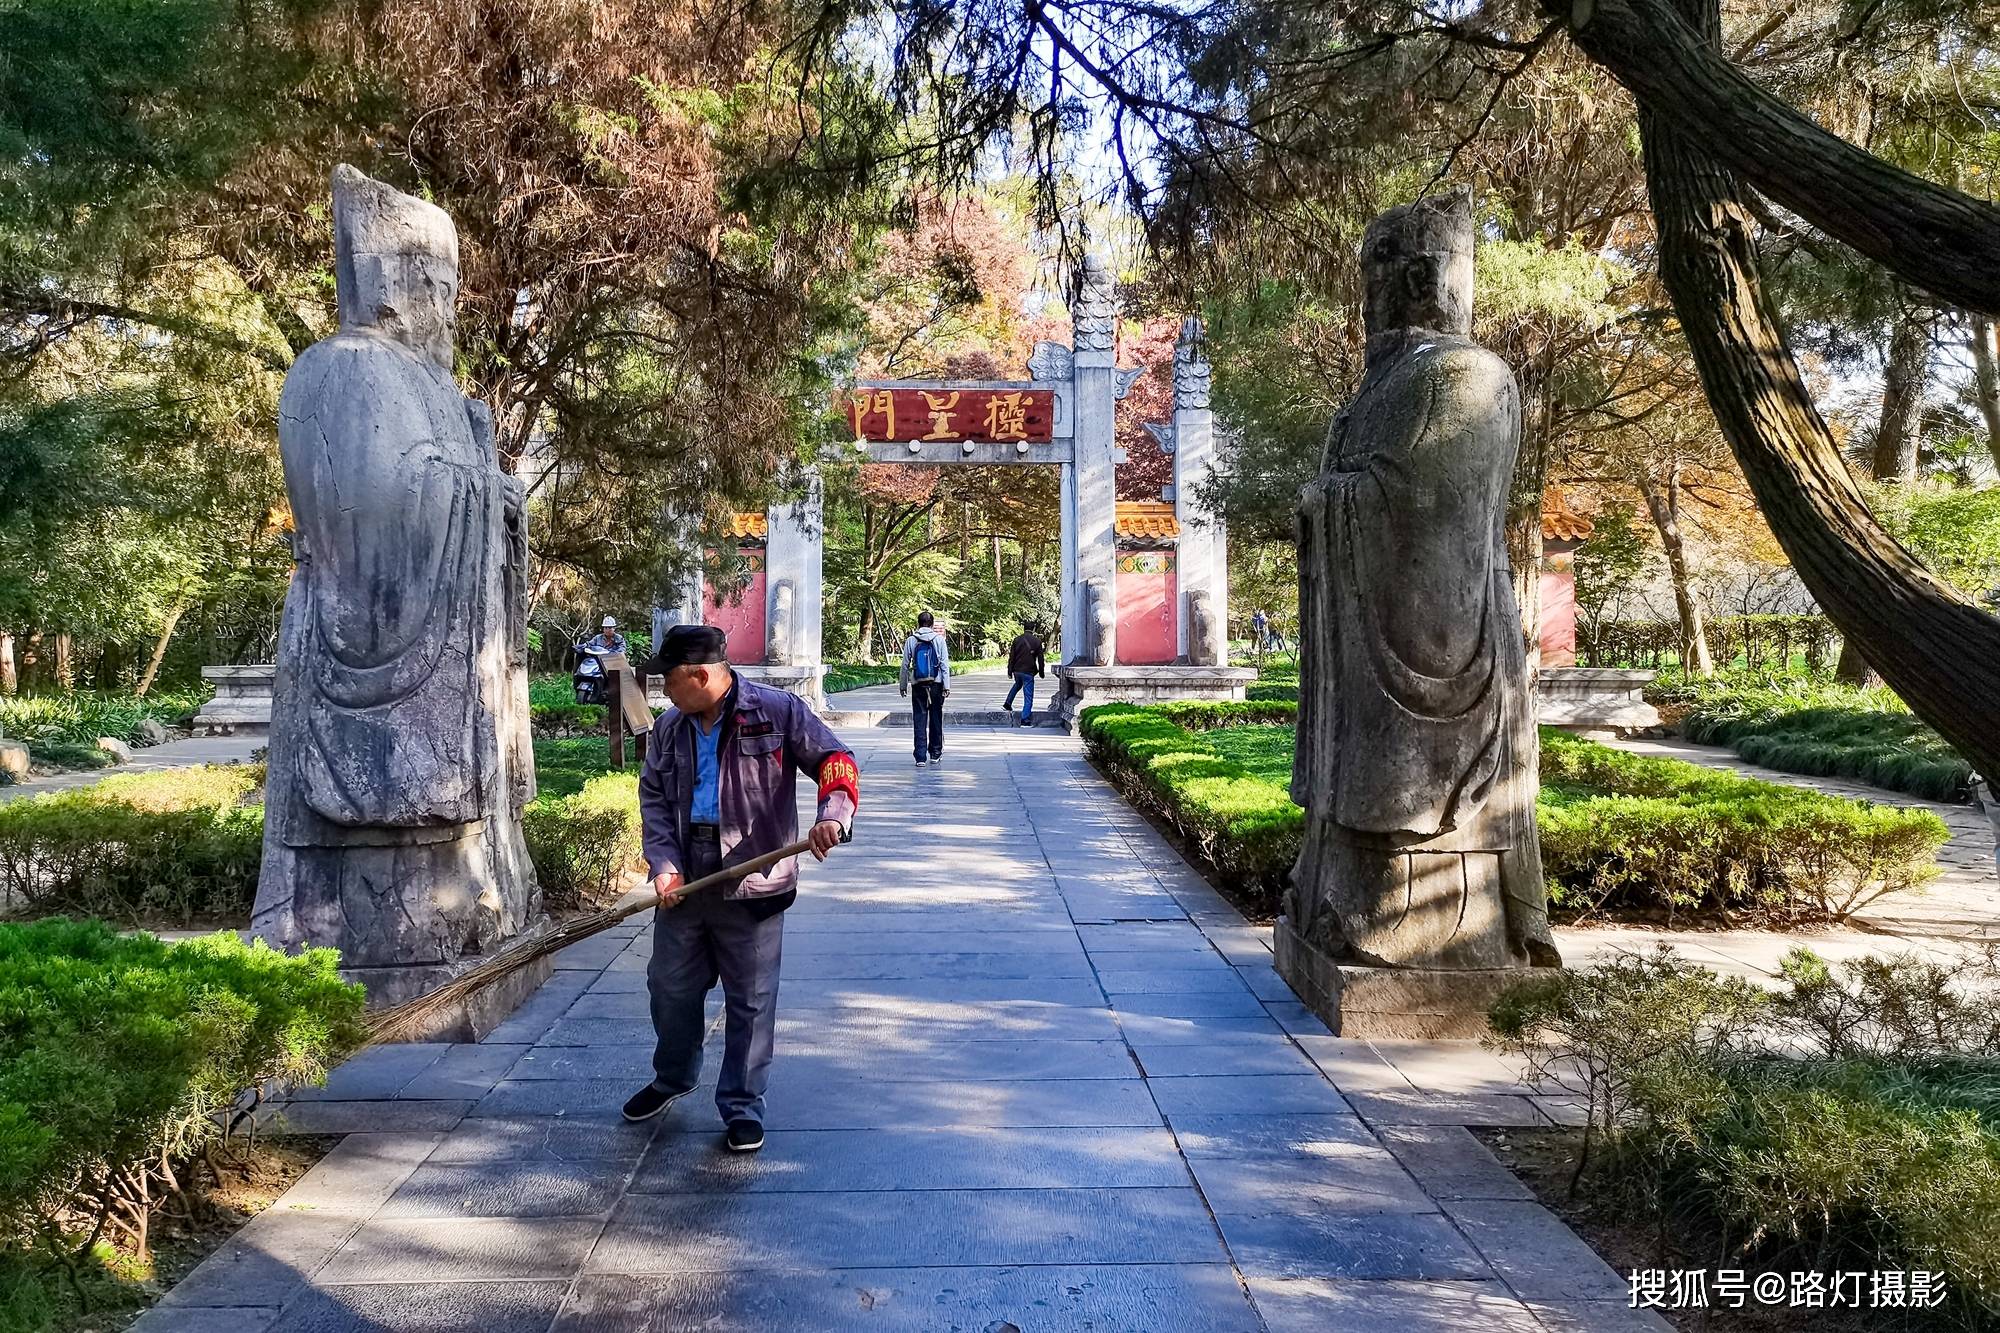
pixel 1083 686
pixel 1595 698
pixel 480 1013
pixel 242 701
pixel 1423 1004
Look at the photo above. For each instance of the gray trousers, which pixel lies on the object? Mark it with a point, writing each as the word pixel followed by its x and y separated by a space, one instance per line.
pixel 707 938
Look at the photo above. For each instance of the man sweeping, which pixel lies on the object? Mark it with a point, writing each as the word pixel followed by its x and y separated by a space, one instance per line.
pixel 718 788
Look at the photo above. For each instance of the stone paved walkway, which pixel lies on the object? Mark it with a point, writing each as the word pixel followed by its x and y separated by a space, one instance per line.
pixel 1032 1075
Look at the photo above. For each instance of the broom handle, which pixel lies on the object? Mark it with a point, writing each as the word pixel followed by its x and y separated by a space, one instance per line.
pixel 387 1022
pixel 638 900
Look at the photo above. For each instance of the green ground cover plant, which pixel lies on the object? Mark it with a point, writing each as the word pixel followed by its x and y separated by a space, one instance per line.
pixel 1800 725
pixel 122 1059
pixel 1847 1119
pixel 1619 832
pixel 179 847
pixel 61 730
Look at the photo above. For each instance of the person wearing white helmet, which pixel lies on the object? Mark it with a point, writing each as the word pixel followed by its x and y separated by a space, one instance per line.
pixel 608 639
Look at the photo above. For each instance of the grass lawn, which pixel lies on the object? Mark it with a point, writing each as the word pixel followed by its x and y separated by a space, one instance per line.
pixel 1264 750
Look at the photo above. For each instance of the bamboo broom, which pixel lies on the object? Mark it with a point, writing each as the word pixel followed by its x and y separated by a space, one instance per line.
pixel 401 1022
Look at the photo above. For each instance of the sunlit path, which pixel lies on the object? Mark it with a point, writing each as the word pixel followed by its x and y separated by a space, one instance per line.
pixel 1032 1073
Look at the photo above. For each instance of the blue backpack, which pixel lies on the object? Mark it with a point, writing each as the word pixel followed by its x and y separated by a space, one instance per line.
pixel 925 664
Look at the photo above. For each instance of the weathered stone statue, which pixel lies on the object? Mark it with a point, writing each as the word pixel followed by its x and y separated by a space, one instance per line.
pixel 399 756
pixel 1417 753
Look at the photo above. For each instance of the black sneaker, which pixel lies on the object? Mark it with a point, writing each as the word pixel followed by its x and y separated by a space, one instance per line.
pixel 745 1136
pixel 649 1101
pixel 920 761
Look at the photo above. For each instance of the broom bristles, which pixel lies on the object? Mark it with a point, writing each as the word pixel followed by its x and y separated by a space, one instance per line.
pixel 398 1023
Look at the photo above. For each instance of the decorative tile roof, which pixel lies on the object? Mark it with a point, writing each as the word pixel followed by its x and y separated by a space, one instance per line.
pixel 1560 523
pixel 749 525
pixel 1145 518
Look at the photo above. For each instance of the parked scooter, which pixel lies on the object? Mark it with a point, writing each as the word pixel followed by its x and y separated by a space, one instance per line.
pixel 588 678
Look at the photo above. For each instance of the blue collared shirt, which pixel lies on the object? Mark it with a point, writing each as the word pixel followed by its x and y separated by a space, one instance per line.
pixel 707 804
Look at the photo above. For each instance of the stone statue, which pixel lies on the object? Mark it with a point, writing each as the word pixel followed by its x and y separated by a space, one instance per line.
pixel 1203 640
pixel 399 755
pixel 1417 752
pixel 1099 624
pixel 778 635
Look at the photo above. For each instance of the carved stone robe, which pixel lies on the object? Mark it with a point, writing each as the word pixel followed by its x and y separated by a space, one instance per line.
pixel 1416 744
pixel 399 757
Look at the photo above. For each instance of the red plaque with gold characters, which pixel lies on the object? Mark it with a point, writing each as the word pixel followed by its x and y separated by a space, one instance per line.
pixel 953 415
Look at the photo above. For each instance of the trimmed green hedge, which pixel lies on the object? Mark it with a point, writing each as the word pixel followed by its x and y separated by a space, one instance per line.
pixel 1247 829
pixel 1624 831
pixel 587 843
pixel 1618 831
pixel 180 846
pixel 122 1056
pixel 184 846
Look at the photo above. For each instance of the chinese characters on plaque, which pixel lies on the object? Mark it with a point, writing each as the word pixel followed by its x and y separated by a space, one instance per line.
pixel 951 415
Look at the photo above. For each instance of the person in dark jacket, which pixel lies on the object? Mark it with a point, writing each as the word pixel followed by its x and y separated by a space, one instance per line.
pixel 1026 659
pixel 718 787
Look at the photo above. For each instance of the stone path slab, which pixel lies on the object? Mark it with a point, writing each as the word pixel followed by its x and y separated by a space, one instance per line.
pixel 1032 1073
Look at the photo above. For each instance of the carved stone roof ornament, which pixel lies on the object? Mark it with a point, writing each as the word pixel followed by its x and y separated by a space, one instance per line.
pixel 1094 311
pixel 1164 433
pixel 1051 361
pixel 1191 368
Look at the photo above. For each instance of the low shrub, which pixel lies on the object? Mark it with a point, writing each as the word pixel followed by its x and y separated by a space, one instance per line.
pixel 585 845
pixel 564 720
pixel 1246 828
pixel 1775 1127
pixel 1623 831
pixel 1821 730
pixel 1273 692
pixel 1618 831
pixel 180 846
pixel 1214 716
pixel 122 1056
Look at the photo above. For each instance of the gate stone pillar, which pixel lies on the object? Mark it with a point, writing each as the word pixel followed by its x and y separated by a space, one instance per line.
pixel 1204 544
pixel 1090 492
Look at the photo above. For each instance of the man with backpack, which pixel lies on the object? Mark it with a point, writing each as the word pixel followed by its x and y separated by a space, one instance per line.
pixel 1026 660
pixel 926 678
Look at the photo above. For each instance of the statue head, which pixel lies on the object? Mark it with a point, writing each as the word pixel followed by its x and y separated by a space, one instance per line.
pixel 395 265
pixel 1416 266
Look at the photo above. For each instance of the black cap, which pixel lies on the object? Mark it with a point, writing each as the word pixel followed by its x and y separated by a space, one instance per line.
pixel 687 645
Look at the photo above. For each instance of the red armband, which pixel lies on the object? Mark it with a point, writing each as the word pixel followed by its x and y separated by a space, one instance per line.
pixel 838 773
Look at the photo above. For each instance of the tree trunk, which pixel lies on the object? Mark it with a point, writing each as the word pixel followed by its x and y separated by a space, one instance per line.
pixel 65 662
pixel 1938 650
pixel 998 577
pixel 1986 384
pixel 1934 238
pixel 1663 502
pixel 1905 372
pixel 10 677
pixel 174 614
pixel 1851 668
pixel 866 633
